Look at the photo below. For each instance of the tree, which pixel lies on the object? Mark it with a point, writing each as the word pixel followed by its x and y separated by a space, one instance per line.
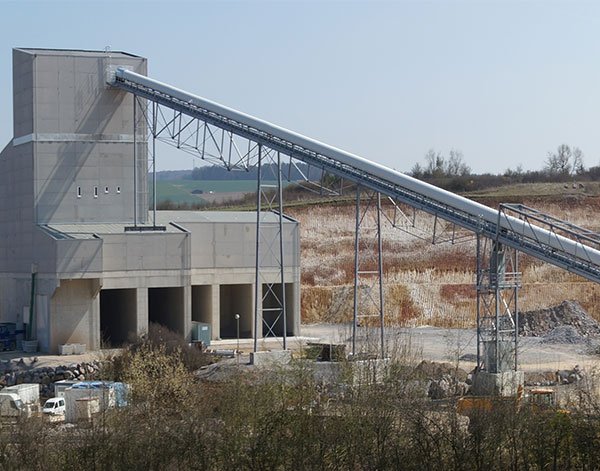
pixel 578 166
pixel 417 170
pixel 435 163
pixel 559 162
pixel 456 167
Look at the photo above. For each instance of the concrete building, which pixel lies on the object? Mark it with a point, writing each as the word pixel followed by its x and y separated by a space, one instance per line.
pixel 67 192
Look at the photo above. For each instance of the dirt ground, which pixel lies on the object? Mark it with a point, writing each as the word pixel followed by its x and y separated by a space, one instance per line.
pixel 421 343
pixel 450 345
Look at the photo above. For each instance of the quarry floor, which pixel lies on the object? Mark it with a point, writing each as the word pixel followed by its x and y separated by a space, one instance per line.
pixel 450 345
pixel 420 343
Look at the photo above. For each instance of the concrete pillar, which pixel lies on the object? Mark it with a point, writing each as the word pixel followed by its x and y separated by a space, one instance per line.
pixel 42 309
pixel 187 312
pixel 95 334
pixel 259 314
pixel 94 338
pixel 142 311
pixel 215 316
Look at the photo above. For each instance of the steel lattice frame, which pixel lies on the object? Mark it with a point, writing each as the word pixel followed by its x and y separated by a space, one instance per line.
pixel 368 271
pixel 498 282
pixel 214 145
pixel 269 249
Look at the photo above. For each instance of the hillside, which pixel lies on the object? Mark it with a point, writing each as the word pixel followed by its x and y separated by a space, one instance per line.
pixel 434 284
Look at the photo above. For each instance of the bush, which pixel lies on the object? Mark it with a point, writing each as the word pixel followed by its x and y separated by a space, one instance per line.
pixel 158 336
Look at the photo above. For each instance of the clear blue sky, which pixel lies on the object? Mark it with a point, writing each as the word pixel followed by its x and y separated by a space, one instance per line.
pixel 504 82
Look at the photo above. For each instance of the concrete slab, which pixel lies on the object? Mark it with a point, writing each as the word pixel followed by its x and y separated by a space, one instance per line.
pixel 270 359
pixel 498 384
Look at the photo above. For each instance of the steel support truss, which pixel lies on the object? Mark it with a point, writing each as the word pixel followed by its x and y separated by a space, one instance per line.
pixel 368 274
pixel 234 153
pixel 269 296
pixel 498 283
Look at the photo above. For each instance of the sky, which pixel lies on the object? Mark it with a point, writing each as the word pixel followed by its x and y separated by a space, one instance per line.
pixel 504 82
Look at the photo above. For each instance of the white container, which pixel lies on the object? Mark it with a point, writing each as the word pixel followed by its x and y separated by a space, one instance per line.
pixel 29 393
pixel 104 396
pixel 65 349
pixel 78 348
pixel 85 408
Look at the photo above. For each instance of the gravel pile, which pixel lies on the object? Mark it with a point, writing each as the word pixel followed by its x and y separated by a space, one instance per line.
pixel 564 334
pixel 565 323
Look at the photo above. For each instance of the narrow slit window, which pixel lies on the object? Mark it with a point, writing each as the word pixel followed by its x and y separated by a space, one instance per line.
pixel 118 189
pixel 78 192
pixel 95 192
pixel 105 189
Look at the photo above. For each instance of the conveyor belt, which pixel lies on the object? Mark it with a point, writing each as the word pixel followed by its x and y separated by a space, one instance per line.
pixel 534 240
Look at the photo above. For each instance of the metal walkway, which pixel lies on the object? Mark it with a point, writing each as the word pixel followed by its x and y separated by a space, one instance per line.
pixel 566 250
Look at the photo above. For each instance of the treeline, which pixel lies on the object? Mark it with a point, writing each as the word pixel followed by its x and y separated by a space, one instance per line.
pixel 269 172
pixel 452 173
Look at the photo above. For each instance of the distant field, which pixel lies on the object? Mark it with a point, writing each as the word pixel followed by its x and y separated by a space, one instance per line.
pixel 180 191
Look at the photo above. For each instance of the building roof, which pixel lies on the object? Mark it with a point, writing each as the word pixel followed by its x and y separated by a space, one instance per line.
pixel 73 52
pixel 244 217
pixel 91 231
pixel 173 221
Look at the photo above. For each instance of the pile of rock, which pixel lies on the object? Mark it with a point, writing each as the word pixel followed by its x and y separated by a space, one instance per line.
pixel 442 379
pixel 569 376
pixel 565 323
pixel 553 378
pixel 18 371
pixel 536 378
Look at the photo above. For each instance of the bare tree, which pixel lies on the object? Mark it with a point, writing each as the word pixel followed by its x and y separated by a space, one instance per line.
pixel 417 170
pixel 435 163
pixel 456 165
pixel 578 166
pixel 559 162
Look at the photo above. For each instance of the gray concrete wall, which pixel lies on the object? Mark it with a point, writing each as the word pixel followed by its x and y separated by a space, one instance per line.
pixel 233 245
pixel 23 93
pixel 75 314
pixel 83 135
pixel 16 211
pixel 146 251
pixel 79 258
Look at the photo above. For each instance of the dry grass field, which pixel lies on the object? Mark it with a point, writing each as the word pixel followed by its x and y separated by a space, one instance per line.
pixel 428 283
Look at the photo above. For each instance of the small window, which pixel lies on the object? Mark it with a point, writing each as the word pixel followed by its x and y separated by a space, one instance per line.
pixel 95 192
pixel 105 189
pixel 118 189
pixel 78 192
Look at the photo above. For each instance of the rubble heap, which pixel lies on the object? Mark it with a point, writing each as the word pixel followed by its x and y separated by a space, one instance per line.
pixel 442 380
pixel 565 323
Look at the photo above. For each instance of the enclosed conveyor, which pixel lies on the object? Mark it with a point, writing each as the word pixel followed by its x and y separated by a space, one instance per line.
pixel 543 244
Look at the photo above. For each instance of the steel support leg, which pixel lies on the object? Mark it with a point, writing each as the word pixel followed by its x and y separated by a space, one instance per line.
pixel 257 283
pixel 270 301
pixel 135 203
pixel 368 270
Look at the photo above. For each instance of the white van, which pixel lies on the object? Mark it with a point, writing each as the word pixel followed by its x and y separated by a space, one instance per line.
pixel 54 406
